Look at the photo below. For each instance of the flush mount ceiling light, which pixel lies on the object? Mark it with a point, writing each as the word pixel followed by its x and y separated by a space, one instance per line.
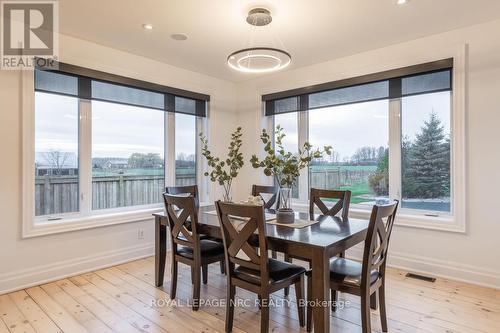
pixel 259 59
pixel 147 26
pixel 402 2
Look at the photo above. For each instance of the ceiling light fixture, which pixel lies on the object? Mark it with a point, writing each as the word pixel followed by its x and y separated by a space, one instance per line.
pixel 259 59
pixel 402 2
pixel 147 26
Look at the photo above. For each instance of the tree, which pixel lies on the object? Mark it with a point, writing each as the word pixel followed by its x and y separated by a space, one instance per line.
pixel 426 162
pixel 57 160
pixel 379 181
pixel 367 155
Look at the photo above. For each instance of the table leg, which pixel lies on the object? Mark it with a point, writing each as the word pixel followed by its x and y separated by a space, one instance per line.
pixel 160 251
pixel 320 291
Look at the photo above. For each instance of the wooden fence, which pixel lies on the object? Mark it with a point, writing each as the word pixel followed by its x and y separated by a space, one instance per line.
pixel 59 194
pixel 335 178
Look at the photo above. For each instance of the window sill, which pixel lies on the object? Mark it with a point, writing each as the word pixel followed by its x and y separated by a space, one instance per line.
pixel 88 222
pixel 403 219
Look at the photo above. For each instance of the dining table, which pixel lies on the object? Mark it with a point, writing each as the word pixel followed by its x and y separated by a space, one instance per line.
pixel 316 243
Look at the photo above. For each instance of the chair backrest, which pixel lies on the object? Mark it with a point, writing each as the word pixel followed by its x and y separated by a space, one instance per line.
pixel 343 197
pixel 183 221
pixel 377 239
pixel 239 223
pixel 258 190
pixel 185 190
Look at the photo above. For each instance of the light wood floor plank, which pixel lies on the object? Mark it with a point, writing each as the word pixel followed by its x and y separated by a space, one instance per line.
pixel 136 305
pixel 85 317
pixel 59 315
pixel 32 312
pixel 12 317
pixel 104 313
pixel 127 314
pixel 3 327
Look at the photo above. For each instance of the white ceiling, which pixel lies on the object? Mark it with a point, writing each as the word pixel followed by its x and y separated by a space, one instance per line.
pixel 311 30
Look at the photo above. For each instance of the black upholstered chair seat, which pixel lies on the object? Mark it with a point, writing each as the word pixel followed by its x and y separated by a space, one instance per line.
pixel 278 271
pixel 349 272
pixel 208 248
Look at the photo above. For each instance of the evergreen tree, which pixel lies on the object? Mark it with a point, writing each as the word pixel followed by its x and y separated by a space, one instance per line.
pixel 426 162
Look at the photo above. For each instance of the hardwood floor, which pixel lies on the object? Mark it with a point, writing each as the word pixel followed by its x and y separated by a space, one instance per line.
pixel 124 299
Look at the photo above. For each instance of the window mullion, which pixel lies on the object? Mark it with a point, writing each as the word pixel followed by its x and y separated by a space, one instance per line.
pixel 395 149
pixel 303 129
pixel 85 156
pixel 170 149
pixel 201 163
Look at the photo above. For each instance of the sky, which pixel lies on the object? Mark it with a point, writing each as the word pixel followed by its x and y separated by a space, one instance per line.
pixel 120 130
pixel 117 130
pixel 349 127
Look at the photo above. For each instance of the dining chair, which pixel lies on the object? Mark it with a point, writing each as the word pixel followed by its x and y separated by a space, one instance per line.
pixel 343 201
pixel 185 190
pixel 272 203
pixel 247 263
pixel 365 279
pixel 316 195
pixel 193 191
pixel 187 247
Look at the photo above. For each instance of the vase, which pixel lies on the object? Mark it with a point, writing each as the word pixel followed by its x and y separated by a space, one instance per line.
pixel 285 213
pixel 226 197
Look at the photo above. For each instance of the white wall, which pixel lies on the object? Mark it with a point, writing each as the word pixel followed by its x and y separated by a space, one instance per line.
pixel 472 256
pixel 29 261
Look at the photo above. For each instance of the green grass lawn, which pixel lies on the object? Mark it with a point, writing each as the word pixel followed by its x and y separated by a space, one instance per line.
pixel 358 190
pixel 343 167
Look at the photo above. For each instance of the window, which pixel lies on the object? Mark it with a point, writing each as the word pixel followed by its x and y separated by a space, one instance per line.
pixel 56 155
pixel 425 151
pixel 128 165
pixel 395 135
pixel 101 147
pixel 185 149
pixel 359 162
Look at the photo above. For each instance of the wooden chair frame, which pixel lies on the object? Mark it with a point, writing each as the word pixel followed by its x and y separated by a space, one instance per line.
pixel 183 215
pixel 188 189
pixel 344 198
pixel 244 239
pixel 374 258
pixel 191 190
pixel 257 190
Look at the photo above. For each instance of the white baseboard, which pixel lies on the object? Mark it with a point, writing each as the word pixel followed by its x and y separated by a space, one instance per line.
pixel 438 268
pixel 17 280
pixel 34 276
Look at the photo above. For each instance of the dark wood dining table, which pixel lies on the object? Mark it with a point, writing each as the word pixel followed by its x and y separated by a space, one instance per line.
pixel 317 243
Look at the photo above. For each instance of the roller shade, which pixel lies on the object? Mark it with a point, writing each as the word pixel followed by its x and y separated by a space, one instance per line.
pixel 56 83
pixel 91 84
pixel 412 80
pixel 125 95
